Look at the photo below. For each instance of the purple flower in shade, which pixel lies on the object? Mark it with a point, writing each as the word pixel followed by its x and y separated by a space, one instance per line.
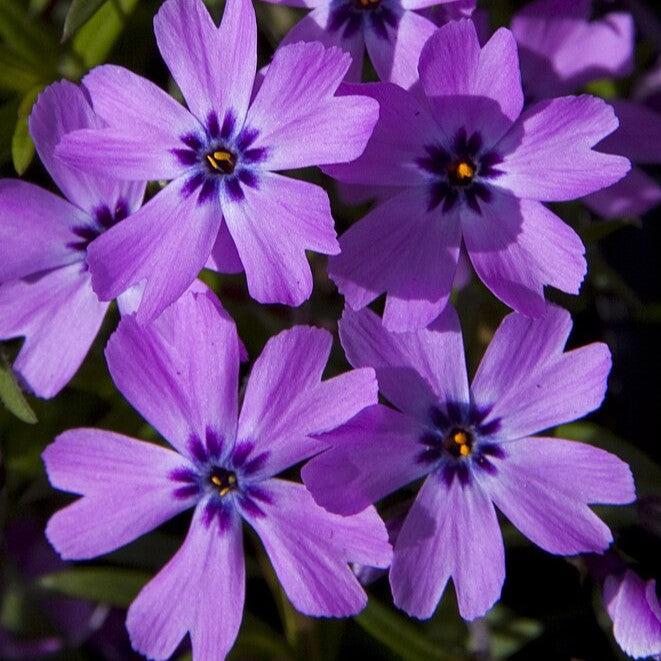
pixel 475 450
pixel 633 606
pixel 473 169
pixel 181 373
pixel 45 288
pixel 220 154
pixel 561 50
pixel 391 30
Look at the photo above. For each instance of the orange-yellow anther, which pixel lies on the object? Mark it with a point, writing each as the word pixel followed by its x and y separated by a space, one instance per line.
pixel 460 438
pixel 465 170
pixel 221 158
pixel 216 480
pixel 464 450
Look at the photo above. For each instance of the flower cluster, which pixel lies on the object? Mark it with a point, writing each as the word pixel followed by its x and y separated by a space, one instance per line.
pixel 461 144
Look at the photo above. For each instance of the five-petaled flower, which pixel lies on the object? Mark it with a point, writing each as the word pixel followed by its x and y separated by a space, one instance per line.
pixel 221 154
pixel 45 289
pixel 181 373
pixel 474 447
pixel 468 166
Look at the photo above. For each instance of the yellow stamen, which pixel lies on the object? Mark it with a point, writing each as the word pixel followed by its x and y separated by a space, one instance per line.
pixel 212 162
pixel 223 156
pixel 464 170
pixel 464 450
pixel 216 480
pixel 224 491
pixel 460 438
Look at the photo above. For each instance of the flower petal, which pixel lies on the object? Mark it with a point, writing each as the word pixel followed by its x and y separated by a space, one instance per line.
pixel 208 569
pixel 272 227
pixel 310 548
pixel 300 121
pixel 404 249
pixel 549 507
pixel 213 67
pixel 286 401
pixel 167 243
pixel 180 372
pixel 60 109
pixel 125 485
pixel 415 370
pixel 371 456
pixel 36 228
pixel 439 539
pixel 519 246
pixel 548 154
pixel 59 315
pixel 224 255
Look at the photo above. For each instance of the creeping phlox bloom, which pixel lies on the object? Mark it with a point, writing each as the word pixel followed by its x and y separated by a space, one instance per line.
pixel 391 30
pixel 468 166
pixel 561 50
pixel 45 289
pixel 181 373
pixel 474 448
pixel 220 154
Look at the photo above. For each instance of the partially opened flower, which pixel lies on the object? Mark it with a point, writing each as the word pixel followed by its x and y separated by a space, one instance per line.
pixel 392 31
pixel 471 168
pixel 181 373
pixel 221 154
pixel 46 293
pixel 474 448
pixel 561 50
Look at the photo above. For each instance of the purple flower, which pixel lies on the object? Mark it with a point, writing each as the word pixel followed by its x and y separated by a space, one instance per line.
pixel 561 50
pixel 471 168
pixel 181 372
pixel 220 154
pixel 634 608
pixel 474 448
pixel 391 30
pixel 46 294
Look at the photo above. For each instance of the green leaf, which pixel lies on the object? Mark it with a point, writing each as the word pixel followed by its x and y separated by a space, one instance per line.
pixel 15 74
pixel 258 641
pixel 79 13
pixel 598 230
pixel 106 585
pixel 12 397
pixel 22 147
pixel 402 637
pixel 508 632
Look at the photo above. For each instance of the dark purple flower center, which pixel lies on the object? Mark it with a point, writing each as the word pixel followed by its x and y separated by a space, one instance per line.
pixel 220 160
pixel 460 439
pixel 102 219
pixel 367 4
pixel 460 171
pixel 223 480
pixel 350 16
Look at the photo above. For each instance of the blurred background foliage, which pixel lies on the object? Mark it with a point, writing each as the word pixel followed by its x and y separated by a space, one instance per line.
pixel 549 609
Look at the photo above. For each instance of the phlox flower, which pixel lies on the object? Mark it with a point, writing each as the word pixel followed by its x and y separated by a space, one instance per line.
pixel 181 372
pixel 392 31
pixel 466 165
pixel 474 449
pixel 225 200
pixel 46 293
pixel 561 50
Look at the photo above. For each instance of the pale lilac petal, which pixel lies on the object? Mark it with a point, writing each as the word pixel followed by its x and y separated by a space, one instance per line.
pixel 224 255
pixel 36 228
pixel 519 246
pixel 286 401
pixel 562 50
pixel 167 243
pixel 396 58
pixel 309 549
pixel 182 387
pixel 636 625
pixel 399 139
pixel 213 67
pixel 638 135
pixel 272 227
pixel 59 315
pixel 415 370
pixel 60 109
pixel 561 389
pixel 548 152
pixel 551 508
pixel 315 27
pixel 201 591
pixel 519 346
pixel 449 532
pixel 300 121
pixel 634 195
pixel 373 455
pixel 466 85
pixel 404 249
pixel 125 486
